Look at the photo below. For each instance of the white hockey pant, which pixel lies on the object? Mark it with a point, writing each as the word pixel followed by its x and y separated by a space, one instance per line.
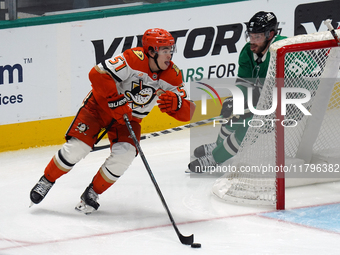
pixel 71 153
pixel 121 157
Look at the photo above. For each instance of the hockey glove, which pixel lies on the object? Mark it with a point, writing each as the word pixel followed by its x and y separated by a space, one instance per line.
pixel 227 107
pixel 227 110
pixel 120 106
pixel 169 102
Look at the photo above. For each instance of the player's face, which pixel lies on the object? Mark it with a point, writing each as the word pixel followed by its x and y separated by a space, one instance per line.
pixel 257 42
pixel 164 57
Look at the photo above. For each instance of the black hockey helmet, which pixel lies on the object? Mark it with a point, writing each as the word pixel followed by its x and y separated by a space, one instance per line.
pixel 263 22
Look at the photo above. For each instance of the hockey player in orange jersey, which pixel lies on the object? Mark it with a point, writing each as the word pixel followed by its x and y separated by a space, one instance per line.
pixel 130 83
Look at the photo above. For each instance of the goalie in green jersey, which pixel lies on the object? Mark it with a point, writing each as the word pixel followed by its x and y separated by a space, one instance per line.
pixel 262 31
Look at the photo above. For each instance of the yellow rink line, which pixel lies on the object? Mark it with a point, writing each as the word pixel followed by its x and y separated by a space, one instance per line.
pixel 51 132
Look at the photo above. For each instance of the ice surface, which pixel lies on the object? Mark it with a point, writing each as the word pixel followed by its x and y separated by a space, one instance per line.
pixel 131 218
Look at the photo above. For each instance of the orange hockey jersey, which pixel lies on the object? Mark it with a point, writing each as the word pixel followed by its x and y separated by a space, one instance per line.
pixel 130 74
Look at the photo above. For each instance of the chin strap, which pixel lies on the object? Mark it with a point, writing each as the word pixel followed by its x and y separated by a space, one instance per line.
pixel 155 59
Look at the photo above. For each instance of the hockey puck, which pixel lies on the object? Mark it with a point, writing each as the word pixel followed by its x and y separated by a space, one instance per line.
pixel 196 245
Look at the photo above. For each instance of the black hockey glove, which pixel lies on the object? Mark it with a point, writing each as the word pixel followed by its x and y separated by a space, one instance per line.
pixel 227 107
pixel 227 110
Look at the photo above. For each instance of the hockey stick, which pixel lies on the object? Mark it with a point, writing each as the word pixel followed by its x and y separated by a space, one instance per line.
pixel 164 132
pixel 105 131
pixel 170 130
pixel 188 240
pixel 332 30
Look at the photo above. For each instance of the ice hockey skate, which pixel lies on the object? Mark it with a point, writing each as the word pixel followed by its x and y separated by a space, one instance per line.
pixel 88 202
pixel 40 190
pixel 202 164
pixel 204 149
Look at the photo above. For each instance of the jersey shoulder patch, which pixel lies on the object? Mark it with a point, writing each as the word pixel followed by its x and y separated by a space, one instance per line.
pixel 136 59
pixel 139 54
pixel 176 69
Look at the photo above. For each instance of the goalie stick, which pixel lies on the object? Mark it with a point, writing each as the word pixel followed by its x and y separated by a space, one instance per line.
pixel 167 131
pixel 331 29
pixel 163 132
pixel 188 240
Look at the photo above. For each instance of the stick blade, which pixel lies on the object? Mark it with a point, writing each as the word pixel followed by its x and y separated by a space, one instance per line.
pixel 188 240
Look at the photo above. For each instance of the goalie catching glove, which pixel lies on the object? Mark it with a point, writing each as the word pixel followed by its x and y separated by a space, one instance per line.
pixel 227 110
pixel 119 106
pixel 169 102
pixel 227 107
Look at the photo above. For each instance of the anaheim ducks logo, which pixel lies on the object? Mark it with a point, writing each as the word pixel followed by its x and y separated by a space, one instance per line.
pixel 140 94
pixel 176 69
pixel 82 128
pixel 139 54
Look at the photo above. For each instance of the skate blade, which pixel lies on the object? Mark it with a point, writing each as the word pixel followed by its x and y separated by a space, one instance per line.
pixel 188 171
pixel 84 208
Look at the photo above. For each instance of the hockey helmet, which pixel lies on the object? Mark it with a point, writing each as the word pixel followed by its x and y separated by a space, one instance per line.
pixel 157 37
pixel 263 22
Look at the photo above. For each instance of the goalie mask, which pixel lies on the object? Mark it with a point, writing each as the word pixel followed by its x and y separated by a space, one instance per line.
pixel 262 22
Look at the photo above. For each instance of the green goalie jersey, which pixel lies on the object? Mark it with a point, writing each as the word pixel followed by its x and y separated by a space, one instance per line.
pixel 248 68
pixel 300 66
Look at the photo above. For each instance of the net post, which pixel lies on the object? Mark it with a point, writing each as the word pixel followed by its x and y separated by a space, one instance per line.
pixel 280 149
pixel 280 141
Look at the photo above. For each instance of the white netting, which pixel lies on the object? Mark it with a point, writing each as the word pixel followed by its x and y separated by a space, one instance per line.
pixel 304 137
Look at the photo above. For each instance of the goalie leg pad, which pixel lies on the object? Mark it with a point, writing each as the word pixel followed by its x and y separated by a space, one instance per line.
pixel 226 150
pixel 225 131
pixel 122 155
pixel 231 145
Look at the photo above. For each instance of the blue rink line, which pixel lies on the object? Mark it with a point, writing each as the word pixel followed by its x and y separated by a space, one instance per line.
pixel 325 217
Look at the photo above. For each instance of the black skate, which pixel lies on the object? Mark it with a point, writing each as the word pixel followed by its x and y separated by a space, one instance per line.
pixel 40 190
pixel 203 164
pixel 204 150
pixel 88 202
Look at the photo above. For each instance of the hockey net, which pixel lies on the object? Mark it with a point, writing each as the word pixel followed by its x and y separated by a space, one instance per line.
pixel 276 154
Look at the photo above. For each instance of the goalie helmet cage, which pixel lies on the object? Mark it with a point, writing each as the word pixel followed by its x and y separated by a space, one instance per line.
pixel 271 148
